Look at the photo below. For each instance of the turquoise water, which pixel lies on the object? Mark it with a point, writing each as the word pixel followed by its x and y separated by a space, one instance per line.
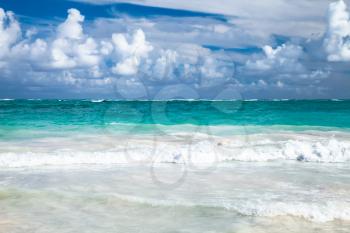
pixel 49 113
pixel 174 166
pixel 302 130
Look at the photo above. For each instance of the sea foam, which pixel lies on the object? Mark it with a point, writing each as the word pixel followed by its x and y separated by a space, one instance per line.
pixel 314 211
pixel 180 149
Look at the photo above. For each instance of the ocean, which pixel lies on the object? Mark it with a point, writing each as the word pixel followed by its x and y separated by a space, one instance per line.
pixel 174 166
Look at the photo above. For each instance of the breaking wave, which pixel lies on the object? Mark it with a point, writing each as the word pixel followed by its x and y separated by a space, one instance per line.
pixel 311 211
pixel 182 150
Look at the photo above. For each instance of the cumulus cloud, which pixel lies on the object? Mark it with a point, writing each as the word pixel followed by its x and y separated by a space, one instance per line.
pixel 66 57
pixel 69 48
pixel 67 54
pixel 190 64
pixel 72 27
pixel 138 57
pixel 165 64
pixel 72 48
pixel 283 68
pixel 337 40
pixel 187 65
pixel 10 31
pixel 284 58
pixel 70 56
pixel 130 53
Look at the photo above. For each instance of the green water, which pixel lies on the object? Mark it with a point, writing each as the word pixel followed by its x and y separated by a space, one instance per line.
pixel 75 113
pixel 70 161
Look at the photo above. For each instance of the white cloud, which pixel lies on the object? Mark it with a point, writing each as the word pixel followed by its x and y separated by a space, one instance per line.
pixel 159 51
pixel 263 18
pixel 130 53
pixel 188 63
pixel 188 30
pixel 283 67
pixel 284 58
pixel 337 40
pixel 165 65
pixel 69 56
pixel 72 27
pixel 72 48
pixel 10 32
pixel 69 48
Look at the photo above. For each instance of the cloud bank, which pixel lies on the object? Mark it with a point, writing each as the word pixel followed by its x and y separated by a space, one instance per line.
pixel 126 57
pixel 337 41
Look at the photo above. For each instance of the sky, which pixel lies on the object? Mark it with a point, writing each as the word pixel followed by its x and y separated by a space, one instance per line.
pixel 175 49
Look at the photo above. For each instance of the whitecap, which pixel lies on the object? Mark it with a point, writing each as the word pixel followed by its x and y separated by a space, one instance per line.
pixel 97 101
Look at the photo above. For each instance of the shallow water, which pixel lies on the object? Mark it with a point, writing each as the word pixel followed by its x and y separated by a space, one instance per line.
pixel 178 166
pixel 238 197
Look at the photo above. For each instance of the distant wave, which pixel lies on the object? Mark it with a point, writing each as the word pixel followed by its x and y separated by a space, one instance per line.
pixel 280 99
pixel 97 101
pixel 173 100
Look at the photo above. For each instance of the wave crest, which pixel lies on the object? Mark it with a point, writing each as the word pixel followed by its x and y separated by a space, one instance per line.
pixel 201 151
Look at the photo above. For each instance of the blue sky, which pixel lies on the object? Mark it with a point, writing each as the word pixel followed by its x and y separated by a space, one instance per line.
pixel 155 49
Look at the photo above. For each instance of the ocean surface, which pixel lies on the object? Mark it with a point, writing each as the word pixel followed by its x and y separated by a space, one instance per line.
pixel 174 166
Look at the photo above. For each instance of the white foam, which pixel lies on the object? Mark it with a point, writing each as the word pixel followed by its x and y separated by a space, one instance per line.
pixel 98 101
pixel 317 212
pixel 177 148
pixel 311 211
